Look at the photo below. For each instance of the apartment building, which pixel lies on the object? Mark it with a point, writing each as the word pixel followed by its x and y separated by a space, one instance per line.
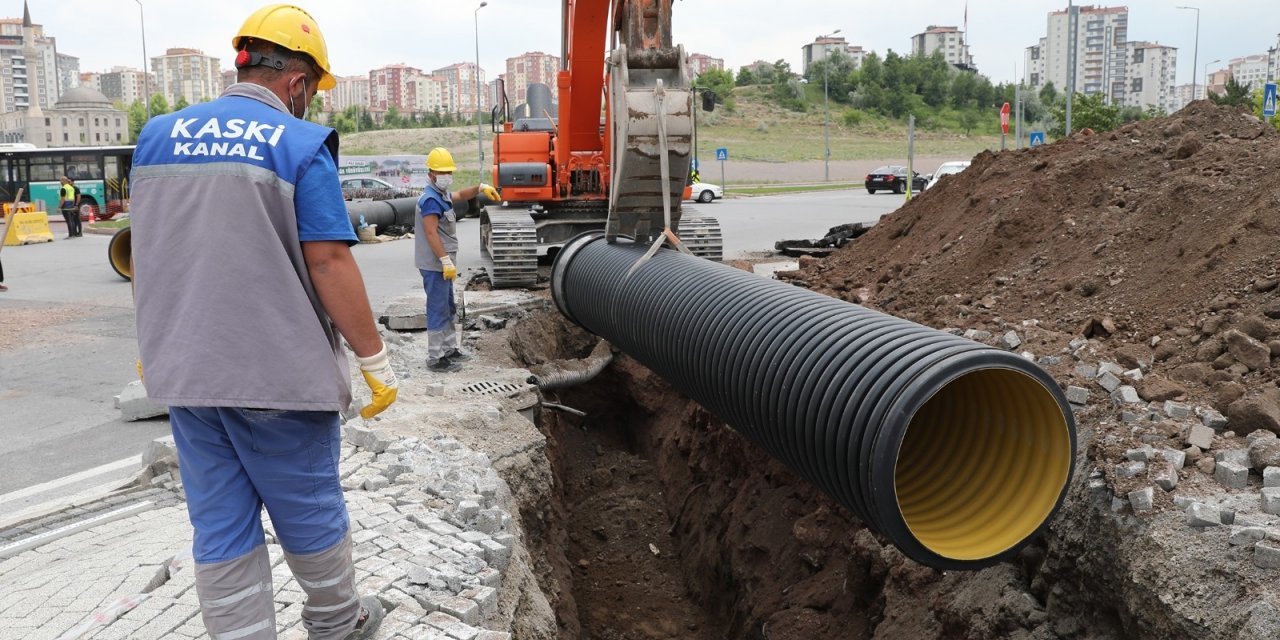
pixel 350 91
pixel 1101 54
pixel 464 81
pixel 1151 72
pixel 126 85
pixel 534 67
pixel 948 40
pixel 389 87
pixel 700 63
pixel 822 47
pixel 1251 71
pixel 188 74
pixel 28 65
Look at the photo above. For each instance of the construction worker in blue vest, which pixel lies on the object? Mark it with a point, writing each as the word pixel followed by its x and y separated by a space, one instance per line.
pixel 435 254
pixel 245 288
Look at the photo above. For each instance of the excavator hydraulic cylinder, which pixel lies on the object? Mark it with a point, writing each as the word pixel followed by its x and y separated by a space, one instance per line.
pixel 957 452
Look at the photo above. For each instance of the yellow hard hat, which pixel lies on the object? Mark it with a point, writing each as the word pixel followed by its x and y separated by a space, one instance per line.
pixel 292 28
pixel 441 160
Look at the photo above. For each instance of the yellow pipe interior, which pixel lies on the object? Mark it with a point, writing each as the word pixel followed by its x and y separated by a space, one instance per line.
pixel 982 464
pixel 120 251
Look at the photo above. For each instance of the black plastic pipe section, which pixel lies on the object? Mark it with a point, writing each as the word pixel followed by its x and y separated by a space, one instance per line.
pixel 383 213
pixel 959 453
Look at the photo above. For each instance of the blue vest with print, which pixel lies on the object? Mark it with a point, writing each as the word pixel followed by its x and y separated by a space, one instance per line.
pixel 234 129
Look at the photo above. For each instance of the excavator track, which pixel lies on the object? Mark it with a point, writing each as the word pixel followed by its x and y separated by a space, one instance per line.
pixel 510 244
pixel 701 234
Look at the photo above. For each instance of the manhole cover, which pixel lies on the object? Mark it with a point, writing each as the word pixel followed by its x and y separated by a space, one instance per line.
pixel 492 388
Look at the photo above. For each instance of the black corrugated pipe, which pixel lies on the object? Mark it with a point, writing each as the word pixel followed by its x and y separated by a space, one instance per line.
pixel 383 213
pixel 958 452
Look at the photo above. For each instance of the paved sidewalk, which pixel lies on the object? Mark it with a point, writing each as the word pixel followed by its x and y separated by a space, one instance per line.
pixel 430 539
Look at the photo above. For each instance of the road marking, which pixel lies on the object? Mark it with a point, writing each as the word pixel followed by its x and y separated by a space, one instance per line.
pixel 135 461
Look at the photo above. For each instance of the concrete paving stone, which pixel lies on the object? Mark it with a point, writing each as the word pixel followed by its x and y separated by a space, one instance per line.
pixel 1142 499
pixel 448 555
pixel 1231 475
pixel 1266 555
pixel 373 584
pixel 1131 469
pixel 1200 436
pixel 1200 514
pixel 1108 381
pixel 1237 456
pixel 474 537
pixel 16 632
pixel 1163 474
pixel 443 528
pixel 391 572
pixel 1243 536
pixel 1175 457
pixel 161 626
pixel 486 597
pixel 1271 500
pixel 451 626
pixel 1077 395
pixel 468 549
pixel 1271 477
pixel 1177 410
pixel 490 577
pixel 118 630
pixel 493 635
pixel 1125 394
pixel 422 632
pixel 471 564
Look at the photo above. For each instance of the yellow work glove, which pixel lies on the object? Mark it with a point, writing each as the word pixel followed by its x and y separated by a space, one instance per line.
pixel 138 363
pixel 381 380
pixel 489 192
pixel 449 272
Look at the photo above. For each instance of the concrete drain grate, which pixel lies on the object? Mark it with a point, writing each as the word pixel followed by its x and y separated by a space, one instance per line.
pixel 493 388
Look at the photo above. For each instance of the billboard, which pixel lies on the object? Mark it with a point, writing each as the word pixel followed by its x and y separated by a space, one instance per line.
pixel 405 172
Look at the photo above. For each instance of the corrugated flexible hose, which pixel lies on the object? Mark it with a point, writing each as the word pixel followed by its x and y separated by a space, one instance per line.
pixel 958 452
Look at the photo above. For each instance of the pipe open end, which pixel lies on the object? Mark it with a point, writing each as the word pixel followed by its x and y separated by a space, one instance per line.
pixel 983 464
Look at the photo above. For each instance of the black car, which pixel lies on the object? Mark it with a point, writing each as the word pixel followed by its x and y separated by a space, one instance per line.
pixel 894 178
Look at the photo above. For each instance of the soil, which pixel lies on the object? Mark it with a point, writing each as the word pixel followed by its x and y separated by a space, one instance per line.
pixel 1151 247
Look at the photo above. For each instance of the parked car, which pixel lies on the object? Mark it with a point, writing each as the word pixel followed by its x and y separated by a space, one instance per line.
pixel 893 178
pixel 946 169
pixel 705 191
pixel 370 188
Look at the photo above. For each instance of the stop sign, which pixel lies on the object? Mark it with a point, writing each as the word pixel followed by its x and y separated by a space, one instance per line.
pixel 1004 118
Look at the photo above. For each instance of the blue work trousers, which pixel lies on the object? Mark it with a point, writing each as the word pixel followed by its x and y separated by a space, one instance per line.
pixel 235 461
pixel 440 304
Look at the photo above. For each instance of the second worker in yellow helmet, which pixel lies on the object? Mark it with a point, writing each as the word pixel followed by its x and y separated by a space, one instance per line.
pixel 435 254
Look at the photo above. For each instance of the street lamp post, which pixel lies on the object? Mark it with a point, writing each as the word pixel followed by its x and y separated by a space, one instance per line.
pixel 1205 74
pixel 146 77
pixel 826 111
pixel 1195 55
pixel 479 130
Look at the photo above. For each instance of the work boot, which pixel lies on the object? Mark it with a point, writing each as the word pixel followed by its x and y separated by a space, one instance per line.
pixel 371 615
pixel 458 355
pixel 443 365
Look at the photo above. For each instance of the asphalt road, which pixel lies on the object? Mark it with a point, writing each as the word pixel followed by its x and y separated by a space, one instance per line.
pixel 60 429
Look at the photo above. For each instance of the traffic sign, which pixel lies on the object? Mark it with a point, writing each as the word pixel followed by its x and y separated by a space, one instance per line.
pixel 722 153
pixel 1036 138
pixel 1269 100
pixel 1004 118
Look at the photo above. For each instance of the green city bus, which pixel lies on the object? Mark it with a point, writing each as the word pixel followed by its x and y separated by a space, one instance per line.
pixel 101 173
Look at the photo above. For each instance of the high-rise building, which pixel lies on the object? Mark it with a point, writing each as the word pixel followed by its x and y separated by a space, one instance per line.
pixel 461 89
pixel 68 72
pixel 125 85
pixel 229 77
pixel 91 79
pixel 28 64
pixel 1150 73
pixel 186 73
pixel 430 94
pixel 389 87
pixel 700 63
pixel 530 68
pixel 350 91
pixel 1100 37
pixel 1250 71
pixel 949 40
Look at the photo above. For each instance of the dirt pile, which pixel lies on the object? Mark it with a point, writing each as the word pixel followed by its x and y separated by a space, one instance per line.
pixel 1157 240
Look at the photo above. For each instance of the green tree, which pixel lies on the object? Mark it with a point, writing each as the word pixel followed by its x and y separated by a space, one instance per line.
pixel 181 103
pixel 746 77
pixel 392 119
pixel 782 72
pixel 366 121
pixel 159 106
pixel 317 105
pixel 719 81
pixel 1087 111
pixel 1048 94
pixel 1236 94
pixel 137 118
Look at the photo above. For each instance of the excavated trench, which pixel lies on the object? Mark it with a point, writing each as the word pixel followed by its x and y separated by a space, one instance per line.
pixel 665 523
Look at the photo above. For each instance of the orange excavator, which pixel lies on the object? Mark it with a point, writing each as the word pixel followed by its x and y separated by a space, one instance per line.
pixel 614 155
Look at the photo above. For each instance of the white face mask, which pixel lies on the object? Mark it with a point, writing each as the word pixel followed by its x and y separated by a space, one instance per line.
pixel 443 182
pixel 306 106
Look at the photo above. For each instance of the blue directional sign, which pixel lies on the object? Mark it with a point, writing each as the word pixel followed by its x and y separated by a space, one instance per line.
pixel 1036 138
pixel 695 164
pixel 1269 100
pixel 722 153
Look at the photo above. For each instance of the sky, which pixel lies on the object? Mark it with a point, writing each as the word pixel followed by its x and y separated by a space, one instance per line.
pixel 430 34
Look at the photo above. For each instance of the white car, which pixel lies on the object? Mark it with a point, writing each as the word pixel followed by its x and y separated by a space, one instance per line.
pixel 705 192
pixel 946 169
